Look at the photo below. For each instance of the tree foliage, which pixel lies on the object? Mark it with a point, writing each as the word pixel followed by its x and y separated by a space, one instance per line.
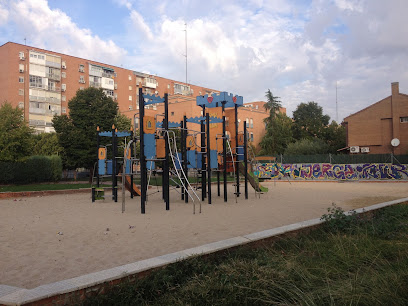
pixel 15 134
pixel 77 133
pixel 277 136
pixel 307 147
pixel 335 136
pixel 309 121
pixel 46 144
pixel 273 104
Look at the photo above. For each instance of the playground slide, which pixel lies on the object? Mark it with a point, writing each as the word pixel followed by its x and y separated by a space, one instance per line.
pixel 253 180
pixel 136 191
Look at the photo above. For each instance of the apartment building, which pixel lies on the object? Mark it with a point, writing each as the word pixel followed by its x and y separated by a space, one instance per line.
pixel 372 129
pixel 41 82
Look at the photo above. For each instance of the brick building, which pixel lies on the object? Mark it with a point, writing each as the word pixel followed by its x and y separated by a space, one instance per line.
pixel 42 82
pixel 372 129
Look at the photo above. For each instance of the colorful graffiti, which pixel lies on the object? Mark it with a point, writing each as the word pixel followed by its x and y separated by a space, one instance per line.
pixel 333 171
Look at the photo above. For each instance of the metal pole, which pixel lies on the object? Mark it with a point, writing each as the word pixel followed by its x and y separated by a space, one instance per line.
pixel 131 167
pixel 185 156
pixel 236 148
pixel 246 160
pixel 203 167
pixel 224 152
pixel 207 118
pixel 182 151
pixel 167 152
pixel 97 159
pixel 114 189
pixel 142 155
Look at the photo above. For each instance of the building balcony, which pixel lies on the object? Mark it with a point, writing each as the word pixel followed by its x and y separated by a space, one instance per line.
pixel 37 122
pixel 45 99
pixel 150 84
pixel 107 75
pixel 53 76
pixel 53 64
pixel 45 87
pixel 40 111
pixel 95 84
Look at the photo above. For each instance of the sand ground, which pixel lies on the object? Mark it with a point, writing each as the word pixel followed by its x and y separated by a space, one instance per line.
pixel 51 238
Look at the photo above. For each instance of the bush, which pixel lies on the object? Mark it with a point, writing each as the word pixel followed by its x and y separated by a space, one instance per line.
pixel 34 169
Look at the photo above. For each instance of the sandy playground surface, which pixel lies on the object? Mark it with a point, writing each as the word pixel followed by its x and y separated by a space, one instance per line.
pixel 51 238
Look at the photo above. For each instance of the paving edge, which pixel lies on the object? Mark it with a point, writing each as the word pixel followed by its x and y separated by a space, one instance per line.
pixel 74 289
pixel 20 194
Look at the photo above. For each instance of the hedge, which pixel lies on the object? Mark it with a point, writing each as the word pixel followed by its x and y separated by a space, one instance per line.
pixel 34 169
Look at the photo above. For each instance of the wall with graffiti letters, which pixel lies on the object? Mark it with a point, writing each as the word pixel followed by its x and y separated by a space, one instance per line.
pixel 332 171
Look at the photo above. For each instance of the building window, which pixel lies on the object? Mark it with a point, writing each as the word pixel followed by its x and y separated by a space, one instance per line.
pixel 20 104
pixel 63 98
pixel 81 79
pixel 63 110
pixel 63 87
pixel 239 121
pixel 63 74
pixel 247 122
pixel 21 67
pixel 130 98
pixel 168 86
pixel 172 114
pixel 154 106
pixel 130 77
pixel 21 92
pixel 63 65
pixel 81 88
pixel 130 107
pixel 21 55
pixel 251 122
pixel 130 87
pixel 252 137
pixel 136 123
pixel 21 79
pixel 81 68
pixel 404 119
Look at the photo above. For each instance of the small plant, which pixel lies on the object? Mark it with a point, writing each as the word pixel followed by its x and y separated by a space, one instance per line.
pixel 339 221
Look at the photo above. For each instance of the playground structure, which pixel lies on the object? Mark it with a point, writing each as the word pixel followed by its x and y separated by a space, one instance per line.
pixel 194 147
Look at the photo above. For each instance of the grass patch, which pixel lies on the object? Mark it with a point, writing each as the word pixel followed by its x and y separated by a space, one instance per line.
pixel 42 187
pixel 350 260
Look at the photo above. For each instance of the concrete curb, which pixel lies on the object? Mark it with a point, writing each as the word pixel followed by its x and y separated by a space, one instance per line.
pixel 74 290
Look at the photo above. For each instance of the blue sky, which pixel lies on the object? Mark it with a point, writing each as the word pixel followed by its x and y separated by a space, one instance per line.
pixel 299 49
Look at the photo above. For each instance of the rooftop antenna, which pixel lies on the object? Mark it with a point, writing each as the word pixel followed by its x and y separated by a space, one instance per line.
pixel 186 49
pixel 25 41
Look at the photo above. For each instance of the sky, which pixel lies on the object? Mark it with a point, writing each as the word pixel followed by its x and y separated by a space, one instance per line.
pixel 299 49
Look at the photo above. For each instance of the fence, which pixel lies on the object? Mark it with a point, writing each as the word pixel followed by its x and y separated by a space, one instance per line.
pixel 343 159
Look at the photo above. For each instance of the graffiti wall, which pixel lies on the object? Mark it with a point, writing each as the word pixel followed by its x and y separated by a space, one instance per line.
pixel 332 171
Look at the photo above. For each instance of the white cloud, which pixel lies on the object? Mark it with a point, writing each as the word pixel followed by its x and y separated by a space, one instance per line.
pixel 3 14
pixel 54 30
pixel 298 50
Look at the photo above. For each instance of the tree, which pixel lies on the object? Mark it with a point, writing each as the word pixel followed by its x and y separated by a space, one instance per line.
pixel 278 135
pixel 46 144
pixel 335 136
pixel 77 133
pixel 309 121
pixel 307 147
pixel 15 134
pixel 273 104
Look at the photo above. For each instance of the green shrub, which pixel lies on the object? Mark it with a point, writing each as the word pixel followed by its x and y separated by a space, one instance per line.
pixel 56 167
pixel 34 169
